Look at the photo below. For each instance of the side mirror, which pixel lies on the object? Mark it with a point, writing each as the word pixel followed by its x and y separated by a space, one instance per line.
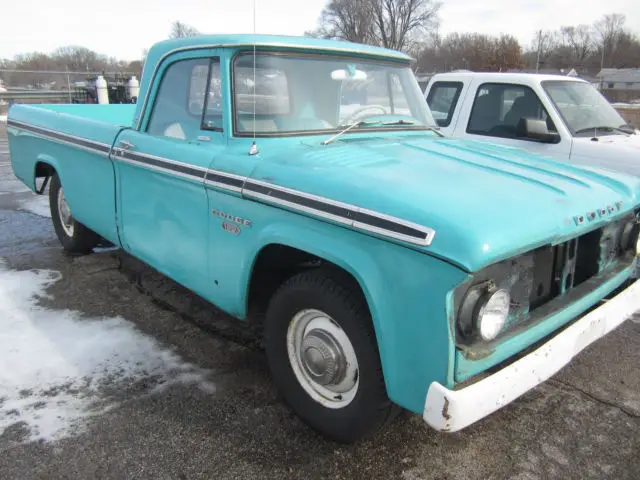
pixel 536 130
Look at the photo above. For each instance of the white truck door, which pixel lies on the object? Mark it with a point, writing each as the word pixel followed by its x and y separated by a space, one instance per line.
pixel 493 110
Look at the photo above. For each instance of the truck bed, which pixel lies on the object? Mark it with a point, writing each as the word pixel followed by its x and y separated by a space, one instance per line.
pixel 121 115
pixel 86 127
pixel 74 140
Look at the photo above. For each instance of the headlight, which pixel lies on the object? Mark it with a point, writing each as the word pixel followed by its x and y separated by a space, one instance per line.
pixel 484 311
pixel 493 314
pixel 638 246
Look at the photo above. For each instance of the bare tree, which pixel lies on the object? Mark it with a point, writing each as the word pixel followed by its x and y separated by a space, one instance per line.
pixel 580 40
pixel 472 51
pixel 181 30
pixel 77 58
pixel 395 24
pixel 399 24
pixel 544 45
pixel 349 20
pixel 609 28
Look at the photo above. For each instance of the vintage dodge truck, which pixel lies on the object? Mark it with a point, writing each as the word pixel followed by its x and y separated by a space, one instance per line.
pixel 301 183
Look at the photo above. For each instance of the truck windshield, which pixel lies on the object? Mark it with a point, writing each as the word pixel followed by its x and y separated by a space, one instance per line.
pixel 583 108
pixel 306 94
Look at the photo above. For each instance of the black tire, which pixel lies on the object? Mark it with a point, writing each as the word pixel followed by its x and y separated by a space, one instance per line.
pixel 370 410
pixel 83 240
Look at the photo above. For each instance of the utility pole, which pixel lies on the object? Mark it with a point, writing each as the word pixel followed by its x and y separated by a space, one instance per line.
pixel 602 66
pixel 539 45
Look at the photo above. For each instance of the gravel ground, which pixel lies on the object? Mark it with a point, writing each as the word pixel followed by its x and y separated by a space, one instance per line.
pixel 584 423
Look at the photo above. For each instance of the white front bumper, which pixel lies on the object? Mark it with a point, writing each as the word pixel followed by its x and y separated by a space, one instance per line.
pixel 453 410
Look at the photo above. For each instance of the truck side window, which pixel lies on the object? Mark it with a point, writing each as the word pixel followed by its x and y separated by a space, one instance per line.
pixel 179 107
pixel 499 107
pixel 442 100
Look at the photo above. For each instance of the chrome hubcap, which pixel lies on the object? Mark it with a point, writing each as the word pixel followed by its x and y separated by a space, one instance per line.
pixel 322 358
pixel 65 213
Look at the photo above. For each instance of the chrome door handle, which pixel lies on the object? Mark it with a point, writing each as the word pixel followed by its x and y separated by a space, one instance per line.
pixel 127 145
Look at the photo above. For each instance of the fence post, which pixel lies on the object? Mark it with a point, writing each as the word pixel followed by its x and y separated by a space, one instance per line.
pixel 66 67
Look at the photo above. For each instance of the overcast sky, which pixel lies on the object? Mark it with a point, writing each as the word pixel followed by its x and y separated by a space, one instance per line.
pixel 123 28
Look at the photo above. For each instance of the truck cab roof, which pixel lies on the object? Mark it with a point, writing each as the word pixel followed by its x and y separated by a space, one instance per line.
pixel 163 48
pixel 520 78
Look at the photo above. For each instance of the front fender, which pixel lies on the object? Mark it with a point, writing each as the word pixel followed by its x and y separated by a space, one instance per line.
pixel 407 293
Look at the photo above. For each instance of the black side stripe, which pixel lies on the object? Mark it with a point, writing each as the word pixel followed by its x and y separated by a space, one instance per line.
pixel 156 162
pixel 347 213
pixel 224 179
pixel 64 137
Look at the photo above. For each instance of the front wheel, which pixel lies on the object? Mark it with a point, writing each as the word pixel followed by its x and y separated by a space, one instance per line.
pixel 323 356
pixel 74 237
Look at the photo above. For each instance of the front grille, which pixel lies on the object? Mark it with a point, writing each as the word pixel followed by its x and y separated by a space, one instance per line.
pixel 545 280
pixel 559 269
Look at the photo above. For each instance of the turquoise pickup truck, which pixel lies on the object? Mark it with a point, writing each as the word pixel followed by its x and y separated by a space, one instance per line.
pixel 301 183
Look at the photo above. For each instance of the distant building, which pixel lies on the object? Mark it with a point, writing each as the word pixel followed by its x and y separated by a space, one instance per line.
pixel 619 78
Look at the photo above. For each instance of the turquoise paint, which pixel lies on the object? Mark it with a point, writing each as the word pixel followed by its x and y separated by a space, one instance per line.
pixel 117 114
pixel 87 176
pixel 466 368
pixel 164 217
pixel 470 192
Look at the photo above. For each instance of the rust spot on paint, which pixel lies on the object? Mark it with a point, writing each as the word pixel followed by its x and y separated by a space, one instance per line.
pixel 445 409
pixel 477 352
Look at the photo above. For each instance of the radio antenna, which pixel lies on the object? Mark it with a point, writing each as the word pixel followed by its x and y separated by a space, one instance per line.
pixel 254 148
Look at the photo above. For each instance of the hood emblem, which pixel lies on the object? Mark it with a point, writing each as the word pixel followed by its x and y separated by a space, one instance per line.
pixel 601 212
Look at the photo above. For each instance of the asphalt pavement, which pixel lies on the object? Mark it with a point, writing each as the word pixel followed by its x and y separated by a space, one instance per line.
pixel 584 423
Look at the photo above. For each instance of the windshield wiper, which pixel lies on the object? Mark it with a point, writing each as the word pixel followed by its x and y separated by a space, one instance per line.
pixel 377 123
pixel 628 128
pixel 606 129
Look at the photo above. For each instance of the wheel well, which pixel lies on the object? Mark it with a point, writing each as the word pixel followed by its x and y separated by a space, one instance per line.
pixel 44 169
pixel 276 264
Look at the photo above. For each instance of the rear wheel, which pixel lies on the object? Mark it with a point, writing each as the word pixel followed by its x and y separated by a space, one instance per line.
pixel 74 237
pixel 323 356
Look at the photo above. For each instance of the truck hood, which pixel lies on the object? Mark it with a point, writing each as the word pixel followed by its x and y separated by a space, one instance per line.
pixel 485 202
pixel 617 152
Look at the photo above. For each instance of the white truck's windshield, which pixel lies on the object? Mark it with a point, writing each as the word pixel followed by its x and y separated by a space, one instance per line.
pixel 583 108
pixel 296 93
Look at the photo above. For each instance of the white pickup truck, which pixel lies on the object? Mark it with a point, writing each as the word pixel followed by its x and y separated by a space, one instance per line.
pixel 564 117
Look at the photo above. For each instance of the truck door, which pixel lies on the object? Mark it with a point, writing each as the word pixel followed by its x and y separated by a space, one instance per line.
pixel 163 207
pixel 494 109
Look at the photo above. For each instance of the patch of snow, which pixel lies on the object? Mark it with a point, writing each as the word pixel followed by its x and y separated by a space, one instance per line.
pixel 626 105
pixel 38 204
pixel 57 366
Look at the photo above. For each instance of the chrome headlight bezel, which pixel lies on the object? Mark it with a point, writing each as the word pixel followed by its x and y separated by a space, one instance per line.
pixel 482 313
